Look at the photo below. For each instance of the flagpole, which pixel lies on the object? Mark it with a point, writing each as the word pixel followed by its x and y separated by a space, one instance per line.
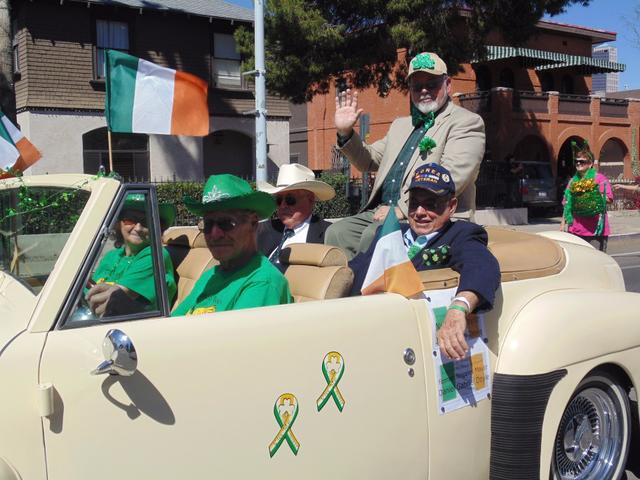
pixel 110 151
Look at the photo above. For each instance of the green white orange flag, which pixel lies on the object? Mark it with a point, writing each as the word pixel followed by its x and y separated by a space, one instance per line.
pixel 16 152
pixel 390 269
pixel 143 97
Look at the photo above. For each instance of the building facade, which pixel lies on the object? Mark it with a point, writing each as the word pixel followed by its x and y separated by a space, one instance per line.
pixel 605 82
pixel 535 100
pixel 59 50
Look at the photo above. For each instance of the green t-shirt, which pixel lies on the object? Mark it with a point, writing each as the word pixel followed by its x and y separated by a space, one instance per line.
pixel 257 284
pixel 135 272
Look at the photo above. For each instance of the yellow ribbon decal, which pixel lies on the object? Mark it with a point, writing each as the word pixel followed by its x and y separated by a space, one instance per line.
pixel 332 369
pixel 285 410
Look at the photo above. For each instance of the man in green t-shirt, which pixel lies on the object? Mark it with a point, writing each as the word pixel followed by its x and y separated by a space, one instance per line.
pixel 245 278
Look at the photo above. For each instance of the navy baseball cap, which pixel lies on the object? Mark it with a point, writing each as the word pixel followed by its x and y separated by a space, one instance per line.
pixel 435 178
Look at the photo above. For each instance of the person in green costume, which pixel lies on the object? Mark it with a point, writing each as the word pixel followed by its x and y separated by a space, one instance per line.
pixel 124 282
pixel 244 278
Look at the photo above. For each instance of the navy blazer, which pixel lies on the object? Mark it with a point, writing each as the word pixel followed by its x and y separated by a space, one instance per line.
pixel 469 256
pixel 270 233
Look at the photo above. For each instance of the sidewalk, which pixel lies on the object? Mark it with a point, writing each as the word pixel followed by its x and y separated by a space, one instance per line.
pixel 625 224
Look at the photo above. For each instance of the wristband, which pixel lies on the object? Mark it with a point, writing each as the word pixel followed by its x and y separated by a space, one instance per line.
pixel 463 300
pixel 458 307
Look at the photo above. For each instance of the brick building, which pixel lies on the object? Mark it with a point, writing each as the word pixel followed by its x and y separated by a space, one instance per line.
pixel 59 84
pixel 535 100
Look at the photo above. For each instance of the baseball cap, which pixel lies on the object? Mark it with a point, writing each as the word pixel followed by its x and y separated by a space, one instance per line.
pixel 433 177
pixel 427 62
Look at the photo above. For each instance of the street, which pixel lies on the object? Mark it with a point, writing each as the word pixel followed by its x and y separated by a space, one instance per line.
pixel 627 254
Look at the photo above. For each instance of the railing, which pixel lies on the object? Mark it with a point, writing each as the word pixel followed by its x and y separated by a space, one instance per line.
pixel 614 107
pixel 574 105
pixel 477 102
pixel 535 102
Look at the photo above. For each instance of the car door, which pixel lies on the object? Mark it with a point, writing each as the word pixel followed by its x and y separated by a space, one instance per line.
pixel 201 400
pixel 308 390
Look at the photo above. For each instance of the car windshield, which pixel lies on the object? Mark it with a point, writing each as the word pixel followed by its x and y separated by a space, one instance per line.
pixel 35 224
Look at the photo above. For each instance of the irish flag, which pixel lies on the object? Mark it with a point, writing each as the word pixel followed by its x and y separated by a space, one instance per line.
pixel 390 269
pixel 143 97
pixel 16 151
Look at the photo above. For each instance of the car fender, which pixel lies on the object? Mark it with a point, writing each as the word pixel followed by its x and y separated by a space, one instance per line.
pixel 561 328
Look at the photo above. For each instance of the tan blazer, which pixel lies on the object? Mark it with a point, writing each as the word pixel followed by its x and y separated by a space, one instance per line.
pixel 460 140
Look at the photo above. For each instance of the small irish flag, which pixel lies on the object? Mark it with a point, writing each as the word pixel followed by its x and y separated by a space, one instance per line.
pixel 390 269
pixel 143 97
pixel 16 151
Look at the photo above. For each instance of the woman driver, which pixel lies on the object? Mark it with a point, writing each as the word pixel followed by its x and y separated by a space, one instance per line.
pixel 126 273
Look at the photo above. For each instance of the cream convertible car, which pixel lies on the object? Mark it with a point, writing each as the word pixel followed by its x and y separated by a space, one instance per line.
pixel 348 388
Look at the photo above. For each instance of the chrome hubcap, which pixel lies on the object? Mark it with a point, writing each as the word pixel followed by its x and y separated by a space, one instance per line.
pixel 589 439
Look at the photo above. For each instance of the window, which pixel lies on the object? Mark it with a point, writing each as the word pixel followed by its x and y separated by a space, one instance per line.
pixel 506 78
pixel 546 82
pixel 130 153
pixel 109 35
pixel 123 279
pixel 15 47
pixel 226 61
pixel 35 224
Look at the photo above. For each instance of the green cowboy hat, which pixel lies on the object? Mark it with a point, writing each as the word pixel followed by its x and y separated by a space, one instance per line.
pixel 138 202
pixel 228 192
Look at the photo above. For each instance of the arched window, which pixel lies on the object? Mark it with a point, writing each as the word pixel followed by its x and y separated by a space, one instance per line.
pixel 546 82
pixel 506 78
pixel 566 85
pixel 612 158
pixel 483 78
pixel 130 153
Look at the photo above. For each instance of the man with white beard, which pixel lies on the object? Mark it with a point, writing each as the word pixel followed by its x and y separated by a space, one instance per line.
pixel 436 132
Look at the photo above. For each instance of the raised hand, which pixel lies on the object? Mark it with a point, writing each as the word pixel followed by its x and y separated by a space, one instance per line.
pixel 347 112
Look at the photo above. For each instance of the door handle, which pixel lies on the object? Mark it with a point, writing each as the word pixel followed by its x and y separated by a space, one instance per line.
pixel 119 353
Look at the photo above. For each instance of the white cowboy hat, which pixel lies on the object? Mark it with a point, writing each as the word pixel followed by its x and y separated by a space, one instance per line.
pixel 293 176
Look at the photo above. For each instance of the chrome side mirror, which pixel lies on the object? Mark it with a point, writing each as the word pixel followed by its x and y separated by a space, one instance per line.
pixel 119 353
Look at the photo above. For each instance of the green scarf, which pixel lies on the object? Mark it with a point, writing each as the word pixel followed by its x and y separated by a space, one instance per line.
pixel 427 119
pixel 587 203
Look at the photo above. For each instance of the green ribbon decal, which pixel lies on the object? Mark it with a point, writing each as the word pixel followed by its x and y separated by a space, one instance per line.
pixel 285 419
pixel 332 369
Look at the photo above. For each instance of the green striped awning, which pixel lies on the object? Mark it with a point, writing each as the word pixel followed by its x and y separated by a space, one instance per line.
pixel 544 60
pixel 592 65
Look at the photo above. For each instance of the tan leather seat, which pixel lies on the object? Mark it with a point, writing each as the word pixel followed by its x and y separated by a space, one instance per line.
pixel 520 255
pixel 316 271
pixel 190 257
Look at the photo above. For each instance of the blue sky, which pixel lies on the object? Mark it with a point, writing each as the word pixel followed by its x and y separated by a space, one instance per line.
pixel 611 15
pixel 602 14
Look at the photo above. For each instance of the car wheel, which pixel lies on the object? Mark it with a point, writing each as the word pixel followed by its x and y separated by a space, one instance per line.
pixel 592 442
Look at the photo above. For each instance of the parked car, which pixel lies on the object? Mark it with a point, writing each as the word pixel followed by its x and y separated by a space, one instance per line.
pixel 538 186
pixel 334 388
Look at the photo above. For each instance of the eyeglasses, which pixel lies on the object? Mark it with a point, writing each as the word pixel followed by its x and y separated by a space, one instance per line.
pixel 131 221
pixel 226 224
pixel 290 200
pixel 583 162
pixel 431 85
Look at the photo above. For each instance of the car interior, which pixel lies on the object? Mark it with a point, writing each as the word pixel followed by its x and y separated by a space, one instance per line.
pixel 321 272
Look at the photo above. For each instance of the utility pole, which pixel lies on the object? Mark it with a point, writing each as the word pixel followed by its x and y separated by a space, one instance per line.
pixel 261 92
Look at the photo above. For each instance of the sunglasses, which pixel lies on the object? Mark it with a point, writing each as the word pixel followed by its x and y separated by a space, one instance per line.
pixel 432 85
pixel 131 221
pixel 289 200
pixel 431 205
pixel 226 224
pixel 583 162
